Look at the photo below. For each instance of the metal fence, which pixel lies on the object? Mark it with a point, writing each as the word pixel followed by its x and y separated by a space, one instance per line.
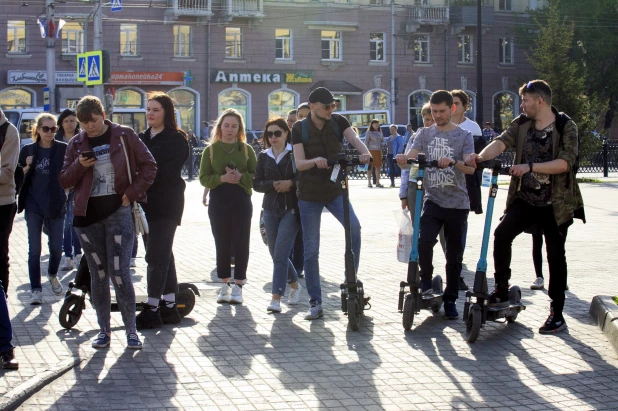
pixel 603 161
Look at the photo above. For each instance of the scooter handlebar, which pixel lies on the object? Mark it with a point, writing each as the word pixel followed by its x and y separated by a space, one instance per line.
pixel 345 162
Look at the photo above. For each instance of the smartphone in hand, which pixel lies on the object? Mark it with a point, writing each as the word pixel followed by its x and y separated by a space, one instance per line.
pixel 89 155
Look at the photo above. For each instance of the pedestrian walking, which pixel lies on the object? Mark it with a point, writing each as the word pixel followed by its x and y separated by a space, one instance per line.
pixel 164 208
pixel 7 354
pixel 275 176
pixel 394 146
pixel 227 169
pixel 67 128
pixel 44 201
pixel 95 165
pixel 374 140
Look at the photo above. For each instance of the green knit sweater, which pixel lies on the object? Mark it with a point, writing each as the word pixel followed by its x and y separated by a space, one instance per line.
pixel 212 170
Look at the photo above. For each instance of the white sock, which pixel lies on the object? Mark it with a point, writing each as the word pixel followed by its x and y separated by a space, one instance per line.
pixel 170 300
pixel 154 302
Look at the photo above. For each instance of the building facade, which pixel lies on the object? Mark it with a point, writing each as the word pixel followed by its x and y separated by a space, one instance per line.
pixel 264 57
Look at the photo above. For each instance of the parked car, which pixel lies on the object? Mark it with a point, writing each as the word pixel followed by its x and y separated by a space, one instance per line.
pixel 23 119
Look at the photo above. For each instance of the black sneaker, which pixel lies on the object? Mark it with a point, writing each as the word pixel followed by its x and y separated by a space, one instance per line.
pixel 148 319
pixel 499 297
pixel 462 284
pixel 8 360
pixel 553 325
pixel 450 311
pixel 169 315
pixel 426 287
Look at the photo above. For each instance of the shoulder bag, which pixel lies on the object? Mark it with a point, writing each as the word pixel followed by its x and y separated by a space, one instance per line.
pixel 140 224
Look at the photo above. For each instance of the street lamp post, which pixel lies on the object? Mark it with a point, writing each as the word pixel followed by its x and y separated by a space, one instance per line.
pixel 50 54
pixel 479 64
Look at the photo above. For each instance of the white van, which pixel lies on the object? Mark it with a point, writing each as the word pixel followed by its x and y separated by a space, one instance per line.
pixel 362 118
pixel 136 118
pixel 23 119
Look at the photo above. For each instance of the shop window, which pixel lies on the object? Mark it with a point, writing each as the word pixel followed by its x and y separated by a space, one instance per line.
pixel 185 103
pixel 280 102
pixel 376 100
pixel 129 98
pixel 237 99
pixel 504 106
pixel 16 98
pixel 416 101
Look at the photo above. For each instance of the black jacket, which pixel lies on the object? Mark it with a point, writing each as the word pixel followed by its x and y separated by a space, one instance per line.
pixel 57 197
pixel 166 195
pixel 268 171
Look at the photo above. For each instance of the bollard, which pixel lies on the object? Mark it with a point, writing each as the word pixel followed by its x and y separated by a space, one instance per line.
pixel 605 165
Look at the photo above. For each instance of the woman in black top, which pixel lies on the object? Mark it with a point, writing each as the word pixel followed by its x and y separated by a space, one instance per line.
pixel 166 199
pixel 275 176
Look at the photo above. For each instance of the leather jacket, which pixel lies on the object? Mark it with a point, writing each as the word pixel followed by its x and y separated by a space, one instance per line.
pixel 142 163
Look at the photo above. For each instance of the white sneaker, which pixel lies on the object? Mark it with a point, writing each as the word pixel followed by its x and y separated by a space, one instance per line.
pixel 55 284
pixel 236 297
pixel 67 264
pixel 77 259
pixel 224 293
pixel 315 312
pixel 133 263
pixel 294 297
pixel 538 284
pixel 275 306
pixel 36 297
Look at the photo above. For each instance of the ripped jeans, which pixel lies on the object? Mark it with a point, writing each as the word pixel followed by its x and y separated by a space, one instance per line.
pixel 107 248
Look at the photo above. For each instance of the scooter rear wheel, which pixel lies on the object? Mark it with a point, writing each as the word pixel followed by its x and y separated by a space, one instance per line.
pixel 473 325
pixel 353 312
pixel 185 301
pixel 514 297
pixel 408 312
pixel 71 311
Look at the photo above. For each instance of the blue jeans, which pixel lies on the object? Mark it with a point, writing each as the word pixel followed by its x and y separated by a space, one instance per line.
pixel 34 222
pixel 281 229
pixel 393 168
pixel 71 245
pixel 6 332
pixel 310 218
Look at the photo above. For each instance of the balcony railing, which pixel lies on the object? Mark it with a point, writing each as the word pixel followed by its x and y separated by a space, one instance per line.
pixel 431 15
pixel 245 8
pixel 196 8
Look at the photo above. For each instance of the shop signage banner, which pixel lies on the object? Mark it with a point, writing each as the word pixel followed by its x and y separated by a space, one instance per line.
pixel 40 77
pixel 148 77
pixel 262 76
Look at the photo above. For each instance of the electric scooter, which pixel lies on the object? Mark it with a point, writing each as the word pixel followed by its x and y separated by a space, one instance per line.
pixel 353 300
pixel 75 302
pixel 415 300
pixel 477 310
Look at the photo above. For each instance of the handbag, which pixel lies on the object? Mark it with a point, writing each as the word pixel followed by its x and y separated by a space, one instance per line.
pixel 140 224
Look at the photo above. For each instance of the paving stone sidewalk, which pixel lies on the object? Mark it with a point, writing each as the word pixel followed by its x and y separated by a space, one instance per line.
pixel 240 357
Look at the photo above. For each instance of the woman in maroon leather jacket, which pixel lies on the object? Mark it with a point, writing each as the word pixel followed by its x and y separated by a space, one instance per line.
pixel 95 166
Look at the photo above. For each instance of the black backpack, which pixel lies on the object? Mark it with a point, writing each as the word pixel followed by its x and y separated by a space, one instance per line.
pixel 19 170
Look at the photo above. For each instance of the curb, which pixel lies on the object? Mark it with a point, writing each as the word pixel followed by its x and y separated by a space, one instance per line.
pixel 18 395
pixel 604 312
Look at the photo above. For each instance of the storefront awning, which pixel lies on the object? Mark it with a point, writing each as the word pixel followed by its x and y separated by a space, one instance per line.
pixel 338 87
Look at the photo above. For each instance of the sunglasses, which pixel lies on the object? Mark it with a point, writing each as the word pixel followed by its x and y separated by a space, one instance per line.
pixel 270 134
pixel 531 89
pixel 331 106
pixel 46 129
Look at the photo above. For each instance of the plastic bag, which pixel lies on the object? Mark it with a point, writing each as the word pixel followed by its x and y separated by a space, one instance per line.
pixel 404 239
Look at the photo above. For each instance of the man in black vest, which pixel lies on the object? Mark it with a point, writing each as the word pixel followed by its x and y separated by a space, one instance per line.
pixel 318 186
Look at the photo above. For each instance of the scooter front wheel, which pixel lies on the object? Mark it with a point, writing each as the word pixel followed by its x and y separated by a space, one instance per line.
pixel 473 325
pixel 353 312
pixel 408 312
pixel 185 301
pixel 71 311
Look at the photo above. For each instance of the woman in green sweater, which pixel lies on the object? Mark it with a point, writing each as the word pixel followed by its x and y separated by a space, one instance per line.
pixel 227 169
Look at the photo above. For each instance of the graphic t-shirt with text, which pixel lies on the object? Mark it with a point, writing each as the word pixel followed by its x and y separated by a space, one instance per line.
pixel 445 187
pixel 39 188
pixel 535 188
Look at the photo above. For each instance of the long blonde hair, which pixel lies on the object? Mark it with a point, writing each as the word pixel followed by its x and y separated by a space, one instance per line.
pixel 38 121
pixel 216 130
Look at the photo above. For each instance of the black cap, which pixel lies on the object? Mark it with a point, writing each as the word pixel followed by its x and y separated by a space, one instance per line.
pixel 321 95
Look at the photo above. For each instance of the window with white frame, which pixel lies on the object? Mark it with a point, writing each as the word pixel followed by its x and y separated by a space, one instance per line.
pixel 182 41
pixel 331 45
pixel 464 49
pixel 233 42
pixel 72 38
pixel 376 2
pixel 280 102
pixel 128 40
pixel 506 50
pixel 283 44
pixel 376 46
pixel 421 49
pixel 504 5
pixel 16 36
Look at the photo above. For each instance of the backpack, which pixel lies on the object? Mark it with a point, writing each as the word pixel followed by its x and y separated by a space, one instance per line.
pixel 304 134
pixel 19 170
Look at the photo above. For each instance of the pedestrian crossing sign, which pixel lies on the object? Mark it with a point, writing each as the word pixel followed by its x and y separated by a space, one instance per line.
pixel 94 68
pixel 81 67
pixel 116 5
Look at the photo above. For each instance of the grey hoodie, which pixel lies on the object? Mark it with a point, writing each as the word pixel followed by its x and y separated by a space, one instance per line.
pixel 9 154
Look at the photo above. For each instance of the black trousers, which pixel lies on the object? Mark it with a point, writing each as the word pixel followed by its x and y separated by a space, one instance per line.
pixel 7 215
pixel 454 222
pixel 520 216
pixel 161 269
pixel 230 211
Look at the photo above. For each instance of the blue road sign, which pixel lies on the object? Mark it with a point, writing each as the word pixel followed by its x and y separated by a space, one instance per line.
pixel 46 99
pixel 94 68
pixel 116 5
pixel 82 67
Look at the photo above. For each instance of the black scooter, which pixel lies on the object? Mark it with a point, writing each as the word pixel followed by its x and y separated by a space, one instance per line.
pixel 353 300
pixel 477 310
pixel 416 300
pixel 74 303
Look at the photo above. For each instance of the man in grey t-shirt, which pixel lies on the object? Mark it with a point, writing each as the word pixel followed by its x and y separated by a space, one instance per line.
pixel 446 197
